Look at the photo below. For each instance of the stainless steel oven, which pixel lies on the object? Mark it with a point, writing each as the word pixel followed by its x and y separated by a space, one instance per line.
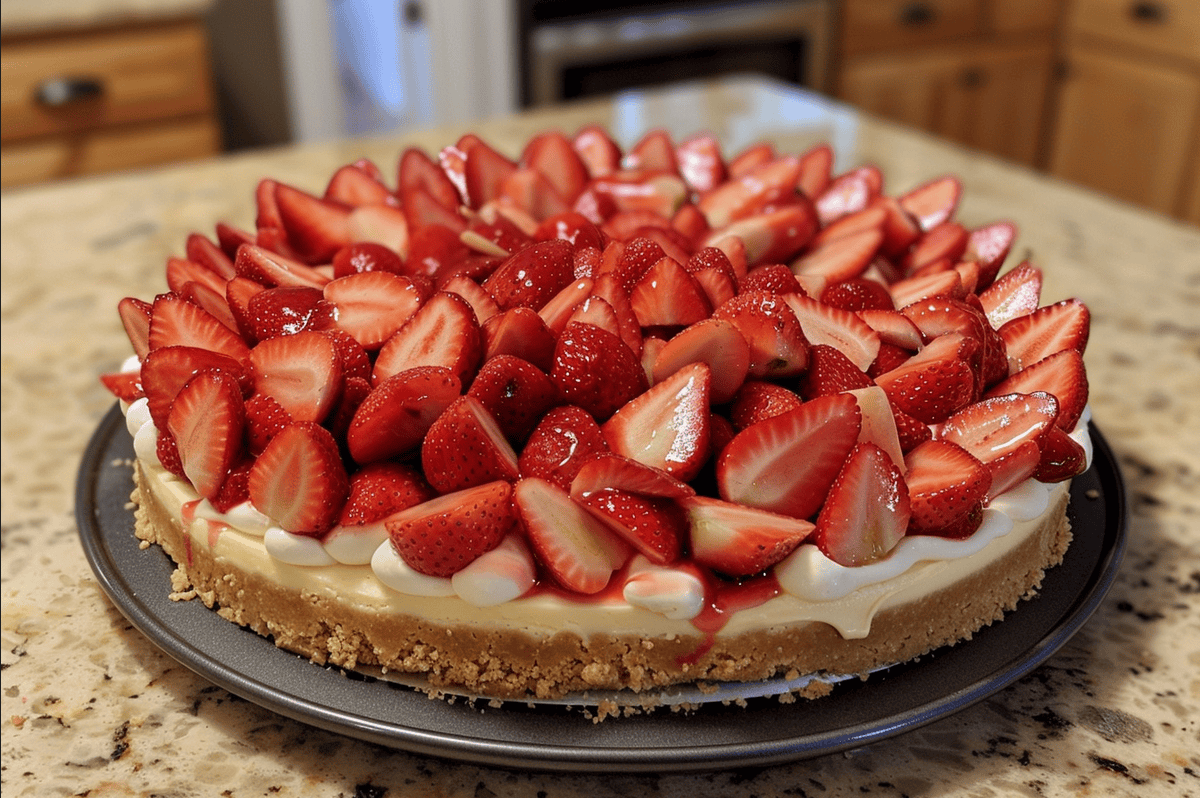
pixel 579 48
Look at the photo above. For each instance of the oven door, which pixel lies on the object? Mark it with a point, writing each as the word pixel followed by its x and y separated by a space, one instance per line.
pixel 610 52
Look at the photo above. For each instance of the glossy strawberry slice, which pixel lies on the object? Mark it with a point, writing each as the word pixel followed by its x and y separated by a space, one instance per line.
pixel 465 447
pixel 940 315
pixel 1062 375
pixel 303 372
pixel 516 393
pixel 1044 332
pixel 443 535
pixel 443 332
pixel 594 369
pixel 1017 293
pixel 596 311
pixel 667 296
pixel 1061 457
pixel 366 256
pixel 481 301
pixel 786 463
pixel 380 490
pixel 773 236
pixel 287 309
pixel 778 347
pixel 604 470
pixel 522 333
pixel 202 251
pixel 265 418
pixel 316 228
pixel 741 197
pixel 947 488
pixel 125 385
pixel 552 155
pixel 829 372
pixel 599 153
pixel 299 480
pixel 207 420
pixel 856 294
pixel 176 322
pixel 989 246
pixel 935 382
pixel 230 238
pixel 533 193
pixel 715 342
pixel 417 170
pixel 934 202
pixel 531 277
pixel 943 282
pixel 558 310
pixel 753 156
pixel 381 224
pixel 653 526
pixel 900 229
pixel 841 329
pixel 758 400
pixel 135 317
pixel 848 193
pixel 816 170
pixel 394 417
pixel 181 272
pixel 422 210
pixel 271 268
pixel 564 439
pixel 484 172
pixel 996 426
pixel 841 258
pixel 867 510
pixel 631 261
pixel 700 163
pixel 164 371
pixel 634 190
pixel 354 186
pixel 774 277
pixel 737 540
pixel 947 241
pixel 371 306
pixel 1013 468
pixel 578 550
pixel 666 426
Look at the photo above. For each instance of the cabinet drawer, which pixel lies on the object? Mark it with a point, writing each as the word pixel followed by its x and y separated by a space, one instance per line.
pixel 1167 27
pixel 103 78
pixel 873 25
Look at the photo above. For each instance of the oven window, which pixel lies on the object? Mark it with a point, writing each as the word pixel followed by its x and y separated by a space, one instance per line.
pixel 783 59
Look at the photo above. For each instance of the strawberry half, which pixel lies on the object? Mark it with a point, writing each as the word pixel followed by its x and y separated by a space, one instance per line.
pixel 758 400
pixel 867 510
pixel 299 480
pixel 287 309
pixel 1061 457
pixel 516 393
pixel 316 228
pixel 1015 294
pixel 303 372
pixel 1062 375
pixel 441 536
pixel 465 447
pixel 653 526
pixel 608 470
pixel 207 420
pixel 737 540
pixel 935 382
pixel 667 426
pixel 934 202
pixel 947 488
pixel 381 489
pixel 396 414
pixel 667 296
pixel 443 332
pixel 576 548
pixel 715 342
pixel 560 444
pixel 531 277
pixel 841 329
pixel 519 332
pixel 594 369
pixel 165 371
pixel 786 463
pixel 371 306
pixel 778 347
pixel 177 322
pixel 1044 332
pixel 996 426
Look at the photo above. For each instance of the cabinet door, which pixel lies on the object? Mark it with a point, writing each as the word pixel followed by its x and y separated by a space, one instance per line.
pixel 1124 127
pixel 992 98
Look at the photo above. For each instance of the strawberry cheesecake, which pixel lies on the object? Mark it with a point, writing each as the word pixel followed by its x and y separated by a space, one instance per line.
pixel 606 419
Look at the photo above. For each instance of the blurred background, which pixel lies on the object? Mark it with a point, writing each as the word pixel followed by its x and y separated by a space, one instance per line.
pixel 1102 92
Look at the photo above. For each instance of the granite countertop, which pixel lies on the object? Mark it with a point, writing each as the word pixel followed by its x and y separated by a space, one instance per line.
pixel 91 707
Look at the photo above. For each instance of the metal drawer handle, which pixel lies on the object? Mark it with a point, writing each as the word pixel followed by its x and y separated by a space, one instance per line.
pixel 58 92
pixel 1148 11
pixel 916 14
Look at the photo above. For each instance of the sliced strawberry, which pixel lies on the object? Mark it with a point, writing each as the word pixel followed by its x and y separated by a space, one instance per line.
pixel 1010 470
pixel 572 227
pixel 201 250
pixel 230 238
pixel 743 196
pixel 600 154
pixel 857 293
pixel 316 228
pixel 816 170
pixel 211 300
pixel 354 392
pixel 940 315
pixel 596 311
pixel 522 333
pixel 176 322
pixel 1061 375
pixel 773 236
pixel 422 210
pixel 900 229
pixel 416 169
pixel 867 511
pixel 1017 293
pixel 935 382
pixel 381 224
pixel 1061 457
pixel 1044 332
pixel 829 372
pixel 786 463
pixel 235 489
pixel 286 310
pixel 564 439
pixel 989 246
pixel 848 193
pixel 168 453
pixel 947 241
pixel 265 418
pixel 655 150
pixel 453 161
pixel 558 310
pixel 700 162
pixel 778 347
pixel 636 257
pixel 576 548
pixel 533 193
pixel 774 277
pixel 653 526
pixel 947 488
pixel 164 371
pixel 484 172
pixel 516 393
pixel 354 186
pixel 634 190
pixel 465 447
pixel 894 328
pixel 371 306
pixel 753 156
pixel 480 300
pixel 737 540
pixel 135 317
pixel 299 480
pixel 879 424
pixel 271 268
pixel 531 277
pixel 715 342
pixel 912 433
pixel 841 329
pixel 607 470
pixel 934 202
pixel 690 223
pixel 667 296
pixel 594 369
pixel 379 490
pixel 434 250
pixel 443 535
pixel 996 426
pixel 395 416
pixel 207 420
pixel 667 426
pixel 125 385
pixel 443 332
pixel 495 224
pixel 180 272
pixel 552 155
pixel 890 357
pixel 758 400
pixel 302 372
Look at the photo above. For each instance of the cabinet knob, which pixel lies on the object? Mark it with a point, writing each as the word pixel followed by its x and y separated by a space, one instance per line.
pixel 1148 11
pixel 58 92
pixel 916 14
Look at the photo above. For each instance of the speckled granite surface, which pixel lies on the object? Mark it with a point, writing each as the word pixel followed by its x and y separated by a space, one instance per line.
pixel 91 707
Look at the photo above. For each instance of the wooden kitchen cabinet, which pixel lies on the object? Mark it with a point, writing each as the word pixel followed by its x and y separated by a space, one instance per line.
pixel 92 101
pixel 1127 120
pixel 979 73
